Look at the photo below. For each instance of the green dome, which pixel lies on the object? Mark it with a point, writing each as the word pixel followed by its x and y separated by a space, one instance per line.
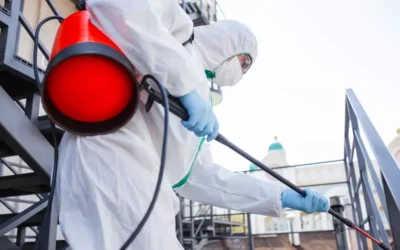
pixel 275 146
pixel 253 167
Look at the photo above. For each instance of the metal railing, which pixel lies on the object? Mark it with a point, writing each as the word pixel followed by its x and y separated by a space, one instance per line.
pixel 206 9
pixel 387 189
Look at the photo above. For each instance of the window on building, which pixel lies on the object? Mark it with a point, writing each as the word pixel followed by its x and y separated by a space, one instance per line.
pixel 269 224
pixel 317 221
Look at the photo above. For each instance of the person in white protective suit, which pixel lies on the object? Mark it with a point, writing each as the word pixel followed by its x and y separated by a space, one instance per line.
pixel 105 183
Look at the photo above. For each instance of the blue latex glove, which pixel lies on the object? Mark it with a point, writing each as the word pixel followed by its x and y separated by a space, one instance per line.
pixel 313 202
pixel 202 120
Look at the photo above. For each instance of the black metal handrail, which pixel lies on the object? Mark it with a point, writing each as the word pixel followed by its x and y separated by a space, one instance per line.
pixel 387 189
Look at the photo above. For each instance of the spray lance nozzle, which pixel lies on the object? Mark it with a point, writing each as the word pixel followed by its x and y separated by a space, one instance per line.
pixel 177 109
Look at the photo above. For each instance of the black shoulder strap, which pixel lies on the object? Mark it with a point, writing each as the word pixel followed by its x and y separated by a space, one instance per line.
pixel 80 4
pixel 191 38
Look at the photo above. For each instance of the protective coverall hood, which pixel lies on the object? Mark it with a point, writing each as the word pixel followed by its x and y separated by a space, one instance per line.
pixel 237 39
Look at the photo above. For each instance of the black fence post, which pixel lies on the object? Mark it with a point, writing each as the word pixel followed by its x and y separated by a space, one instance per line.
pixel 339 228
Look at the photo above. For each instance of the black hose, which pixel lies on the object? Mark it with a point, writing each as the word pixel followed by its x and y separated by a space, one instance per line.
pixel 53 127
pixel 162 166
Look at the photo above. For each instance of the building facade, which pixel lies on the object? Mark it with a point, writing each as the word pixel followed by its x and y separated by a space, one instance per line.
pixel 327 178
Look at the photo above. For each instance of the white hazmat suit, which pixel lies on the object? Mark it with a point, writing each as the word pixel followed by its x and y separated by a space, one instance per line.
pixel 105 183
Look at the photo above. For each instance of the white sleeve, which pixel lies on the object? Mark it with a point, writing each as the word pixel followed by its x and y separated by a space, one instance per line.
pixel 136 26
pixel 212 184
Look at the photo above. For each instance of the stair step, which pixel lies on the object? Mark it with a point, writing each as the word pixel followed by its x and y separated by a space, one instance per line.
pixel 35 220
pixel 16 86
pixel 21 135
pixel 22 184
pixel 44 128
pixel 6 244
pixel 61 245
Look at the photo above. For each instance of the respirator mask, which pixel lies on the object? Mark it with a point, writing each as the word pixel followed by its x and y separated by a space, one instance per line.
pixel 228 73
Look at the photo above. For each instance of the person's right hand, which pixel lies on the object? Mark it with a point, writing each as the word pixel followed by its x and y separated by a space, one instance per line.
pixel 313 202
pixel 202 120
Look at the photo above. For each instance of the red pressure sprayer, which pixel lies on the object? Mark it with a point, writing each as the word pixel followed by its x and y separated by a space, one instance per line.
pixel 89 87
pixel 176 108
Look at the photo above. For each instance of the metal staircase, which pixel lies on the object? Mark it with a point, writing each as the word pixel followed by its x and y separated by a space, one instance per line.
pixel 26 154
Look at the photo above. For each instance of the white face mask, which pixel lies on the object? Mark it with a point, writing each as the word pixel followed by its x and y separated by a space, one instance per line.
pixel 228 73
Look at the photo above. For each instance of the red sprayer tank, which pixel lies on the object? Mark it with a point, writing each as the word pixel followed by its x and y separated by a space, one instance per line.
pixel 89 86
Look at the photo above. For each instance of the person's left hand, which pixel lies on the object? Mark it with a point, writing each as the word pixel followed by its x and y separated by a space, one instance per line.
pixel 311 203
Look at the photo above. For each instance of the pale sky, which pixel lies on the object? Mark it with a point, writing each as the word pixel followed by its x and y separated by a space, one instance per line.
pixel 310 52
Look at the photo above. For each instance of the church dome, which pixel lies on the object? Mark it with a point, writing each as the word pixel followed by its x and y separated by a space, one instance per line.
pixel 276 145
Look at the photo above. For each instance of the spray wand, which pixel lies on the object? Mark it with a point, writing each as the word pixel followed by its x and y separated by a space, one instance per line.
pixel 176 108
